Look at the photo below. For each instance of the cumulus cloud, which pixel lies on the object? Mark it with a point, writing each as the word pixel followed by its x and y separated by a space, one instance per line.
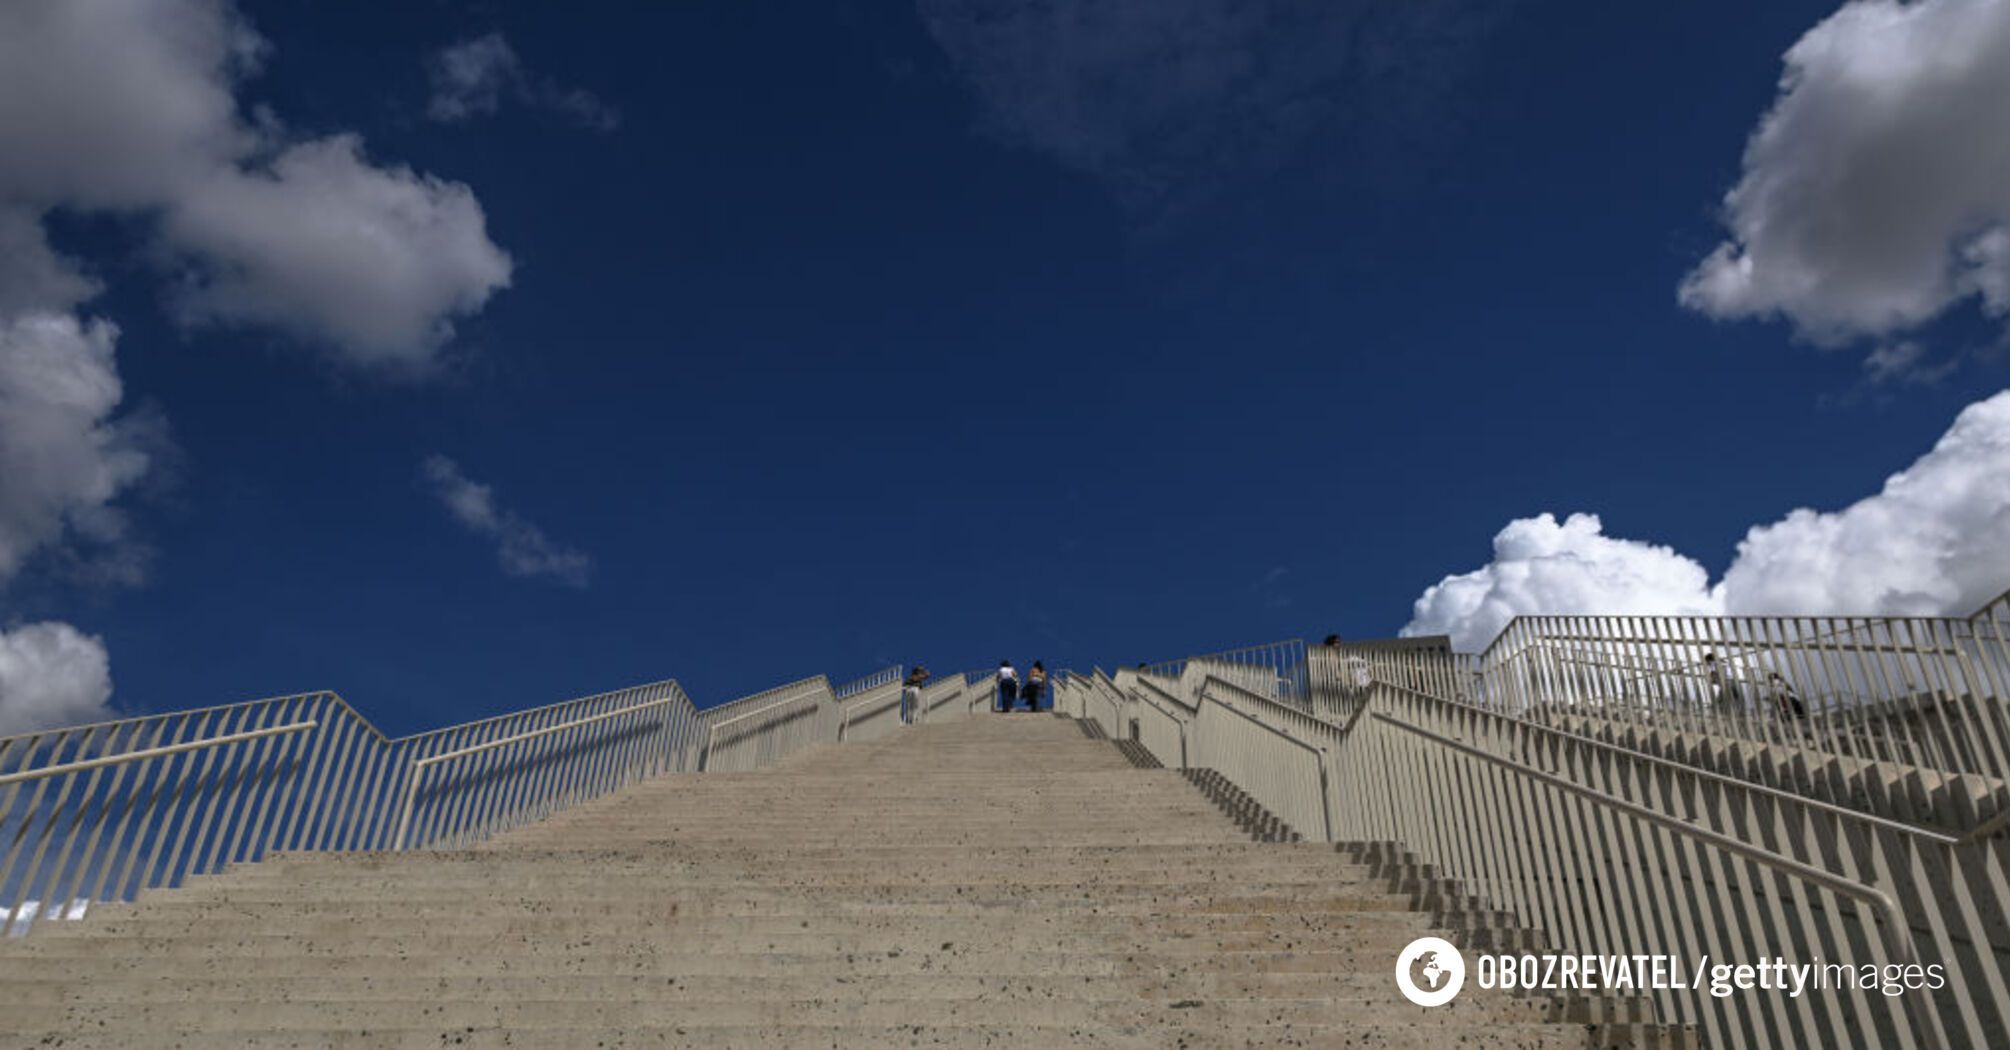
pixel 1541 566
pixel 1935 540
pixel 324 244
pixel 130 107
pixel 472 77
pixel 521 547
pixel 52 675
pixel 64 457
pixel 1930 543
pixel 1876 193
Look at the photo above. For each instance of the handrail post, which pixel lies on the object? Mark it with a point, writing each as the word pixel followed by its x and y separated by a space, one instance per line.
pixel 405 811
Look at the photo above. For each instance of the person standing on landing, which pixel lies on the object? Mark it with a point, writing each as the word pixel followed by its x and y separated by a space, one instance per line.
pixel 911 711
pixel 1036 683
pixel 1008 686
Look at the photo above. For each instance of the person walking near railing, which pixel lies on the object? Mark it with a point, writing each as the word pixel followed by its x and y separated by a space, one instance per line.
pixel 1724 693
pixel 1008 686
pixel 911 711
pixel 1786 702
pixel 1036 683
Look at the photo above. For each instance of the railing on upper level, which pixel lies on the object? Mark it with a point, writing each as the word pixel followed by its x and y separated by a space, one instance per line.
pixel 1277 670
pixel 1504 774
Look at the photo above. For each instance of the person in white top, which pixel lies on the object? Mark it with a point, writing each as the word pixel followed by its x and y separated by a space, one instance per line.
pixel 1008 685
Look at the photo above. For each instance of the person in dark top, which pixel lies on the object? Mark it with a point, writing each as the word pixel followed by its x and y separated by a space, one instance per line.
pixel 910 695
pixel 1036 683
pixel 1786 702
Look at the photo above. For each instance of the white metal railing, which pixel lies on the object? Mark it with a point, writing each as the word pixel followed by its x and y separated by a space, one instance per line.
pixel 101 812
pixel 1524 793
pixel 947 699
pixel 870 714
pixel 455 830
pixel 874 682
pixel 761 729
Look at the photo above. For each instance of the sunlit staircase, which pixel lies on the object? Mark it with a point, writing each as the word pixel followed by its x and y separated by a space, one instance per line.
pixel 1001 881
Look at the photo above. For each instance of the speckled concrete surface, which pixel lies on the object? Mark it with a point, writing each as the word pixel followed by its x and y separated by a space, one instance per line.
pixel 997 882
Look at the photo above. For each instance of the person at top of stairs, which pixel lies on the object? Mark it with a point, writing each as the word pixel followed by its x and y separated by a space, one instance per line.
pixel 911 710
pixel 1008 685
pixel 1036 683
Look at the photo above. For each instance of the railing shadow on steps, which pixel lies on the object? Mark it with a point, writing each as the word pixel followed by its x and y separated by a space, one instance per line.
pixel 102 812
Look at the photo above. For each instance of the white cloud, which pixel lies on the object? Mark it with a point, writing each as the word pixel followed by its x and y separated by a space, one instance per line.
pixel 1905 363
pixel 1876 193
pixel 1930 543
pixel 326 245
pixel 130 107
pixel 64 458
pixel 52 675
pixel 1541 566
pixel 1935 540
pixel 32 276
pixel 521 547
pixel 470 79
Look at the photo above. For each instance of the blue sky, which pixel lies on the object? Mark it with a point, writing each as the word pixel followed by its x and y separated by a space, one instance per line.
pixel 807 338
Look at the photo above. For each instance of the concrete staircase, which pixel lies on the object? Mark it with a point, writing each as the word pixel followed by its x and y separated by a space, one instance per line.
pixel 1002 881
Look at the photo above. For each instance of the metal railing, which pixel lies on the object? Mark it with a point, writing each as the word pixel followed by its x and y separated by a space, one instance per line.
pixel 947 699
pixel 759 730
pixel 878 680
pixel 1277 670
pixel 1926 691
pixel 1523 794
pixel 871 707
pixel 101 812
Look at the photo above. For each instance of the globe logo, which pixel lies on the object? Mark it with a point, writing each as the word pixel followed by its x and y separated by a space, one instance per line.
pixel 1430 971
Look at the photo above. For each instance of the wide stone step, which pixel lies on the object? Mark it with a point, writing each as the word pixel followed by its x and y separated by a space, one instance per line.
pixel 547 1012
pixel 1091 853
pixel 420 965
pixel 993 925
pixel 1183 1034
pixel 1314 892
pixel 200 941
pixel 636 987
pixel 931 900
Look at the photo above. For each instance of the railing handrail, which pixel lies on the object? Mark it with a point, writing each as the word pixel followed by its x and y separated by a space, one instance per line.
pixel 792 688
pixel 1160 708
pixel 1177 702
pixel 1857 623
pixel 420 765
pixel 713 728
pixel 861 684
pixel 83 765
pixel 447 756
pixel 1777 794
pixel 1898 935
pixel 1319 754
pixel 351 710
